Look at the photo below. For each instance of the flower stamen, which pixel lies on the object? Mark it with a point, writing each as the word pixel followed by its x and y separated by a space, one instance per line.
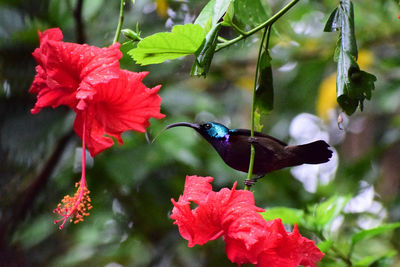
pixel 76 207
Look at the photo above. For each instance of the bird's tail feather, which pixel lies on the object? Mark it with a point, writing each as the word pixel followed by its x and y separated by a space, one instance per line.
pixel 311 153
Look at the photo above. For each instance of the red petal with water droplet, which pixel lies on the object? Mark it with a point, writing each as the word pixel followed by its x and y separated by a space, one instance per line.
pixel 122 104
pixel 232 214
pixel 68 72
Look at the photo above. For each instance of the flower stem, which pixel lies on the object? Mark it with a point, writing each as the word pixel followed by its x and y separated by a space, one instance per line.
pixel 336 252
pixel 120 21
pixel 83 177
pixel 253 107
pixel 76 207
pixel 240 31
pixel 340 255
pixel 268 22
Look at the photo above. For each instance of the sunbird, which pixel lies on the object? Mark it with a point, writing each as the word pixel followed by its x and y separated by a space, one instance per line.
pixel 271 154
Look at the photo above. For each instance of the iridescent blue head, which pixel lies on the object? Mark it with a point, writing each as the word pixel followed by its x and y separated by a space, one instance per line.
pixel 209 130
pixel 214 130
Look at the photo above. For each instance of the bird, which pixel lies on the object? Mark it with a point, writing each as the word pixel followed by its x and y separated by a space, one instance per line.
pixel 271 154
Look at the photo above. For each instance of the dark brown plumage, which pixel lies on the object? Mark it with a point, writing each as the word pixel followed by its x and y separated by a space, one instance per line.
pixel 271 154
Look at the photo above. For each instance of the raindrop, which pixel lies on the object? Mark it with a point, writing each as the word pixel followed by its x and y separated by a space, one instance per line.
pixel 6 89
pixel 117 207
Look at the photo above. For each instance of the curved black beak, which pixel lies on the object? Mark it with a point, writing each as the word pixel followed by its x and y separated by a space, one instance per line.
pixel 185 124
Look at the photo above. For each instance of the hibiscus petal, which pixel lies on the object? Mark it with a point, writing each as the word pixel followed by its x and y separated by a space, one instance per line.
pixel 66 68
pixel 96 142
pixel 244 228
pixel 237 251
pixel 198 226
pixel 197 188
pixel 122 104
pixel 248 237
pixel 183 216
pixel 307 251
pixel 288 249
pixel 101 66
pixel 241 218
pixel 54 34
pixel 48 96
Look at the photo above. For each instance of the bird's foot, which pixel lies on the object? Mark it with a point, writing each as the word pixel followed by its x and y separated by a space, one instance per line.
pixel 251 182
pixel 252 140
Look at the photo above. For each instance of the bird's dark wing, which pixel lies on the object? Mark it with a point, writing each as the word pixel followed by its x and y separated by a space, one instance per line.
pixel 270 152
pixel 246 132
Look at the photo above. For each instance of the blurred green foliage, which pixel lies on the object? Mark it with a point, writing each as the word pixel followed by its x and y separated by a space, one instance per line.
pixel 131 185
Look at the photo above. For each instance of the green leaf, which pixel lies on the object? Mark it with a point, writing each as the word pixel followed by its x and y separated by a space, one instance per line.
pixel 360 88
pixel 204 57
pixel 265 88
pixel 228 17
pixel 324 246
pixel 334 23
pixel 212 13
pixel 325 212
pixel 353 85
pixel 372 259
pixel 288 215
pixel 245 7
pixel 365 234
pixel 157 48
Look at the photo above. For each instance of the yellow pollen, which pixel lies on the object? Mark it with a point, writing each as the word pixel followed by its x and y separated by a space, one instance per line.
pixel 74 208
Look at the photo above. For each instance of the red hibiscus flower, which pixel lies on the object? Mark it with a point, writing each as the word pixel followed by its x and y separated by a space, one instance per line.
pixel 233 215
pixel 66 68
pixel 106 99
pixel 288 249
pixel 120 105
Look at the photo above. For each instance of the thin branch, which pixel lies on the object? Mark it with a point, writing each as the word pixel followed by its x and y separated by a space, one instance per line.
pixel 268 22
pixel 253 109
pixel 79 26
pixel 240 31
pixel 120 21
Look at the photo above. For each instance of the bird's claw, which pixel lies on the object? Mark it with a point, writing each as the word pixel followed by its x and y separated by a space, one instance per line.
pixel 250 182
pixel 252 140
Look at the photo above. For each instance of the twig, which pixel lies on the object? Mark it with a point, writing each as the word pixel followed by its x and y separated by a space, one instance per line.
pixel 253 109
pixel 79 26
pixel 120 21
pixel 268 22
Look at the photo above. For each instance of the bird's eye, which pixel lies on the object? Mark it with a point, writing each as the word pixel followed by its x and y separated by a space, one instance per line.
pixel 207 126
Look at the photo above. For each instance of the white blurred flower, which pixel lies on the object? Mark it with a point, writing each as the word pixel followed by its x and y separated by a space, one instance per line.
pixel 306 128
pixel 311 175
pixel 373 211
pixel 373 217
pixel 335 226
pixel 362 201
